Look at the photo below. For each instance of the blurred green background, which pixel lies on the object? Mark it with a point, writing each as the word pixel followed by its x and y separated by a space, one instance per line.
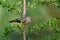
pixel 45 24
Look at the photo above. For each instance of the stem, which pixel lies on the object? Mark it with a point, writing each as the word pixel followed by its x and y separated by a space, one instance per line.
pixel 24 15
pixel 24 34
pixel 24 8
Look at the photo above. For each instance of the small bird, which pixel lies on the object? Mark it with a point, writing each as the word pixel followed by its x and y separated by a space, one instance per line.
pixel 24 20
pixel 16 20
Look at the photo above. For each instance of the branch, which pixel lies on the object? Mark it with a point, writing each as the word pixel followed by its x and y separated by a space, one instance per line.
pixel 24 15
pixel 24 8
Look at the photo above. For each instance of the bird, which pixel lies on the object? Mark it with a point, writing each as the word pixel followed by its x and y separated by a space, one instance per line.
pixel 16 20
pixel 23 20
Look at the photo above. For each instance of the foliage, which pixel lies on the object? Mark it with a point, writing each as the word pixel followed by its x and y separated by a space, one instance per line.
pixel 39 29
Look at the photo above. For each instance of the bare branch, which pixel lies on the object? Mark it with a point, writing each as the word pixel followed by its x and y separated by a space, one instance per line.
pixel 24 8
